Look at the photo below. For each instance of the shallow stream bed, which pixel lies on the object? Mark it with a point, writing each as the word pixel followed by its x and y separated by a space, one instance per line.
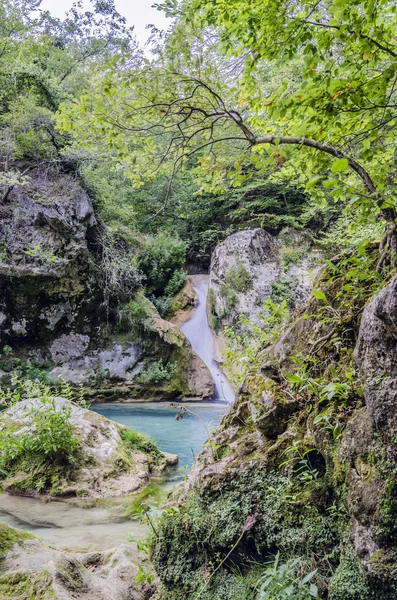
pixel 68 525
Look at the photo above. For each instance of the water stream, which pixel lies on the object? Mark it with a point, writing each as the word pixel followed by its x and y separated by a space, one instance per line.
pixel 199 334
pixel 66 524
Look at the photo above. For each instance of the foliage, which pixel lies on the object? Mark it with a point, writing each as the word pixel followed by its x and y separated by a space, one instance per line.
pixel 120 271
pixel 157 372
pixel 136 312
pixel 289 257
pixel 349 581
pixel 282 291
pixel 192 542
pixel 46 446
pixel 308 91
pixel 239 278
pixel 139 442
pixel 159 257
pixel 44 61
pixel 281 582
pixel 246 339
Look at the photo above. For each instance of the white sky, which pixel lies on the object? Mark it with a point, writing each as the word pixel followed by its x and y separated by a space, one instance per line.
pixel 138 13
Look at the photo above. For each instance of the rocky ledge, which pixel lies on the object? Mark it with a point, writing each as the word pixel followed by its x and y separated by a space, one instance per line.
pixel 28 569
pixel 109 459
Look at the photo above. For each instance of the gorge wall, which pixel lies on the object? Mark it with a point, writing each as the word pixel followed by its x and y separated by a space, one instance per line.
pixel 63 295
pixel 304 462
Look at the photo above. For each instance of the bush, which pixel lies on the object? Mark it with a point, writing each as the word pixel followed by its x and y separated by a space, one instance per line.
pixel 135 313
pixel 282 290
pixel 120 271
pixel 138 441
pixel 159 258
pixel 176 283
pixel 44 450
pixel 229 295
pixel 281 581
pixel 157 372
pixel 163 304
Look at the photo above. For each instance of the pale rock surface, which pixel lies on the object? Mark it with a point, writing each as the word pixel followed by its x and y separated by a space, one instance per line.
pixel 108 467
pixel 68 576
pixel 259 254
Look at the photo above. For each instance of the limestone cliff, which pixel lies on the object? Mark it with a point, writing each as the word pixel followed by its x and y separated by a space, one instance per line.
pixel 62 292
pixel 304 462
pixel 250 266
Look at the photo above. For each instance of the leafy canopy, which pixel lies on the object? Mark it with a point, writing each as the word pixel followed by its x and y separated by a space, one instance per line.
pixel 240 87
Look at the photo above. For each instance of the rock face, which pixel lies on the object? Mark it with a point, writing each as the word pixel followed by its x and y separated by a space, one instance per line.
pixel 53 313
pixel 292 467
pixel 376 356
pixel 29 569
pixel 107 465
pixel 47 270
pixel 245 268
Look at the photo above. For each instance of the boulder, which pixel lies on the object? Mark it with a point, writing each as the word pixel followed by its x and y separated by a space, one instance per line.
pixel 107 465
pixel 246 270
pixel 376 357
pixel 28 569
pixel 48 271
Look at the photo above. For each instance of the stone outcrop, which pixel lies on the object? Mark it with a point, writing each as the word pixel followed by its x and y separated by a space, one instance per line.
pixel 376 357
pixel 47 267
pixel 245 268
pixel 54 313
pixel 28 569
pixel 297 467
pixel 107 465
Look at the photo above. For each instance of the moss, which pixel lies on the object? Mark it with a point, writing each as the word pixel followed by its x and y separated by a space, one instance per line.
pixel 10 536
pixel 134 441
pixel 238 278
pixel 70 574
pixel 27 586
pixel 283 290
pixel 203 531
pixel 349 581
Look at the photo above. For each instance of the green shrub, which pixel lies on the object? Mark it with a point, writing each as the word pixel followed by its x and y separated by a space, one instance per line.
pixel 281 581
pixel 45 450
pixel 176 283
pixel 159 257
pixel 197 539
pixel 238 278
pixel 290 256
pixel 138 441
pixel 163 304
pixel 157 372
pixel 135 313
pixel 230 296
pixel 246 339
pixel 282 290
pixel 349 581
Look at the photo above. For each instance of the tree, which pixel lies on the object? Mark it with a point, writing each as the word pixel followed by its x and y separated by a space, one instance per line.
pixel 330 123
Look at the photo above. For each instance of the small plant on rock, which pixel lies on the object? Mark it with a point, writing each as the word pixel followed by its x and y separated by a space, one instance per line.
pixel 281 581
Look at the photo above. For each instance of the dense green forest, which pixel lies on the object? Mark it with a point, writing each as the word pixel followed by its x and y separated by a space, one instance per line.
pixel 122 170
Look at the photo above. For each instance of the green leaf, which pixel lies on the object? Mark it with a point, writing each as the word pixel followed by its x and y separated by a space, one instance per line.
pixel 340 165
pixel 313 182
pixel 330 183
pixel 320 295
pixel 294 378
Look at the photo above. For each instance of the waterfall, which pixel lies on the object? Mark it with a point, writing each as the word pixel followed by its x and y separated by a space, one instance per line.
pixel 199 334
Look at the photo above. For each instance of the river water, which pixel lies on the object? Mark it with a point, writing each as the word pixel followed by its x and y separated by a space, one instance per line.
pixel 69 525
pixel 199 334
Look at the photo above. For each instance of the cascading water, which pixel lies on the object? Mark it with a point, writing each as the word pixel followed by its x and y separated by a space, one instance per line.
pixel 198 332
